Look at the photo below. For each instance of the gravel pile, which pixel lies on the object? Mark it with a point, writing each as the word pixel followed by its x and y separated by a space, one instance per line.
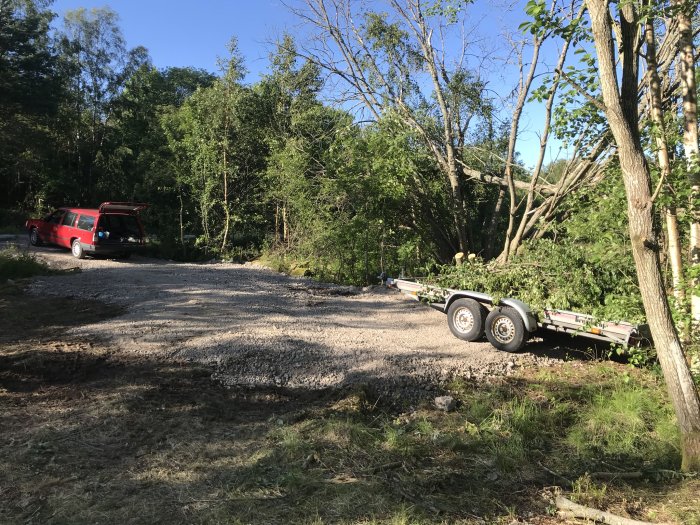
pixel 260 328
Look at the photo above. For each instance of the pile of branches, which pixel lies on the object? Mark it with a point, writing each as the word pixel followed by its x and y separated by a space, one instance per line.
pixel 555 275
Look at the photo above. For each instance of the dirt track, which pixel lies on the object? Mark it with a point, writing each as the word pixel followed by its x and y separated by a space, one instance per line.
pixel 258 327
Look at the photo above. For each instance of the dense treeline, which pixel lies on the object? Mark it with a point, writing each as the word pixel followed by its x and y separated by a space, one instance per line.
pixel 233 169
pixel 228 168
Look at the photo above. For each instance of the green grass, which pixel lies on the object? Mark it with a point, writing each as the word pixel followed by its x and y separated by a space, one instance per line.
pixel 382 467
pixel 629 422
pixel 17 264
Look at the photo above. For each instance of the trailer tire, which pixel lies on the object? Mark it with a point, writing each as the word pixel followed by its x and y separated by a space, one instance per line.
pixel 465 317
pixel 505 329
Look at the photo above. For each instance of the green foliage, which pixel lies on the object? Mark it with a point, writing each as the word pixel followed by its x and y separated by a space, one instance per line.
pixel 347 202
pixel 96 65
pixel 447 9
pixel 30 91
pixel 554 275
pixel 585 266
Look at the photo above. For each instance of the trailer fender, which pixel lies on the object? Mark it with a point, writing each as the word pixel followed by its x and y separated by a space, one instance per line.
pixel 525 312
pixel 478 296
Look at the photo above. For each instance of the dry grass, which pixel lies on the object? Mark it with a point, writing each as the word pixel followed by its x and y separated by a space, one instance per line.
pixel 89 435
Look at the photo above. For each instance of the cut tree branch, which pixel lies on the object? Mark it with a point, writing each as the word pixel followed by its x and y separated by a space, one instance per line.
pixel 569 509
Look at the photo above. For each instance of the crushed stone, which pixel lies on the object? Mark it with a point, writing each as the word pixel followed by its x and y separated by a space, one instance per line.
pixel 260 328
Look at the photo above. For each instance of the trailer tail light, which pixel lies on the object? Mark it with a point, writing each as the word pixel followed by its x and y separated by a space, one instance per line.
pixel 596 331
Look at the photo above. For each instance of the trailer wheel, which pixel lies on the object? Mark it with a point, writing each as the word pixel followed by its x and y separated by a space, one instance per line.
pixel 465 317
pixel 505 329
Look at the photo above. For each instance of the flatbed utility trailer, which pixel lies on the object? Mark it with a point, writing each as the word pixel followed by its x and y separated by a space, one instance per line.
pixel 508 323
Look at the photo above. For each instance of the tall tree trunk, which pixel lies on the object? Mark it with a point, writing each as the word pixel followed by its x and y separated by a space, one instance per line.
pixel 656 112
pixel 458 209
pixel 674 254
pixel 621 112
pixel 278 236
pixel 285 228
pixel 182 220
pixel 227 212
pixel 690 134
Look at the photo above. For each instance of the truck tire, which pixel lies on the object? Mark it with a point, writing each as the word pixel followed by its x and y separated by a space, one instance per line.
pixel 77 249
pixel 505 329
pixel 465 317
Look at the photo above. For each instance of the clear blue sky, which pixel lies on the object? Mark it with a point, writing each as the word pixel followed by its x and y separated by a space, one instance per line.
pixel 179 33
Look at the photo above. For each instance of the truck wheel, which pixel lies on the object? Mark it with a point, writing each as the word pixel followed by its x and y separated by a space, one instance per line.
pixel 465 317
pixel 77 249
pixel 34 238
pixel 505 329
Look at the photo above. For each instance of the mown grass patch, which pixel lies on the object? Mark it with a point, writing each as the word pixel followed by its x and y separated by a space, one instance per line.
pixel 488 459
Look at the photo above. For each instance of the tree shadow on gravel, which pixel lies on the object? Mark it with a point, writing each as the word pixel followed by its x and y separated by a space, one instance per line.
pixel 24 317
pixel 94 436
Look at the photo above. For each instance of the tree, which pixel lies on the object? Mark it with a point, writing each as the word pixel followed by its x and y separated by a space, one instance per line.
pixel 217 138
pixel 300 130
pixel 99 64
pixel 135 159
pixel 620 105
pixel 659 132
pixel 382 59
pixel 412 63
pixel 684 12
pixel 30 90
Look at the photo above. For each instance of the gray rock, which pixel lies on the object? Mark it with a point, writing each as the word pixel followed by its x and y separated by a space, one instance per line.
pixel 445 403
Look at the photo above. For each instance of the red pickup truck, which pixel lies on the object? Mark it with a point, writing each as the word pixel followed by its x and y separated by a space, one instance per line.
pixel 112 229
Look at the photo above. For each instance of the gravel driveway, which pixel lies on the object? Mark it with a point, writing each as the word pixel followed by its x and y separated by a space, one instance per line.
pixel 261 328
